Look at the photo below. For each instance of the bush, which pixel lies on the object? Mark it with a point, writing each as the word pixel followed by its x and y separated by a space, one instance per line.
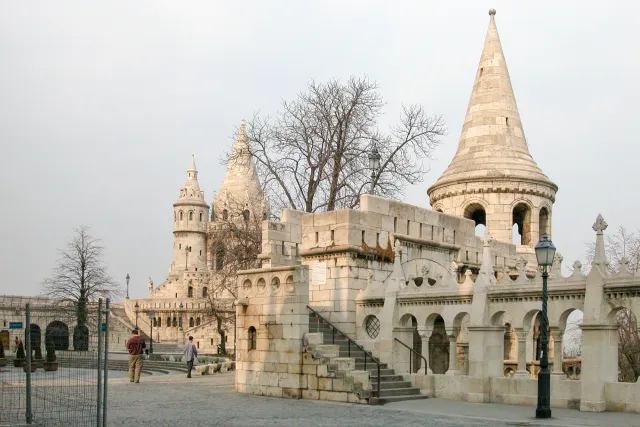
pixel 21 354
pixel 38 353
pixel 51 352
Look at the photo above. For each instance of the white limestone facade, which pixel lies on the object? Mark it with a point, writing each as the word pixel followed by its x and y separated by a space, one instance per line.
pixel 181 305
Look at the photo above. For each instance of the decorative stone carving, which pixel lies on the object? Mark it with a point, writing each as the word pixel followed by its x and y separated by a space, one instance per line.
pixel 600 225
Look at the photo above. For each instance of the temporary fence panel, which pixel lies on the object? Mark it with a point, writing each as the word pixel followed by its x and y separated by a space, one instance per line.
pixel 66 350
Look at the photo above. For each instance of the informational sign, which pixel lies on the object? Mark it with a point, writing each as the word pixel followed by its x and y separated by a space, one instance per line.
pixel 103 327
pixel 319 273
pixel 15 325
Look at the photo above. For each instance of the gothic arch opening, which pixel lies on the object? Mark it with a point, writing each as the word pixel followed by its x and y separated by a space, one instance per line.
pixel 476 212
pixel 219 258
pixel 543 222
pixel 521 220
pixel 57 334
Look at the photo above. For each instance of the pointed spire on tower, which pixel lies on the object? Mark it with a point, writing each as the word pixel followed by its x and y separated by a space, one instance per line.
pixel 492 144
pixel 191 189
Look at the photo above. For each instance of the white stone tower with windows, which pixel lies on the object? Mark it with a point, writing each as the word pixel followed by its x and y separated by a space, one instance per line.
pixel 190 219
pixel 493 178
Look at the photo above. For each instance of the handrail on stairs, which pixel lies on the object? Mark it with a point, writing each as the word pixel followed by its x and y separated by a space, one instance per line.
pixel 349 342
pixel 410 358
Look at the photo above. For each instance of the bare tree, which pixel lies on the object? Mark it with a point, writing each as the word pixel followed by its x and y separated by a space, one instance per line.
pixel 623 251
pixel 235 245
pixel 314 155
pixel 621 245
pixel 80 278
pixel 572 338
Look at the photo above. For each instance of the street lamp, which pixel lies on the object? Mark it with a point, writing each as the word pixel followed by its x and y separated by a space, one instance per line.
pixel 151 316
pixel 180 316
pixel 374 164
pixel 136 307
pixel 545 252
pixel 127 284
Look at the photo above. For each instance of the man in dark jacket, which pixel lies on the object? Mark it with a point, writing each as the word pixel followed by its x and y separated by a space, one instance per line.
pixel 135 346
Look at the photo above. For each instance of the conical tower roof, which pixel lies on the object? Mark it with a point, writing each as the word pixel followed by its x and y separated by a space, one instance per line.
pixel 492 145
pixel 240 183
pixel 191 192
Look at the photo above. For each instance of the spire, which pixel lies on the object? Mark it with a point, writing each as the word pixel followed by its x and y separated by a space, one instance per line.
pixel 191 189
pixel 241 183
pixel 492 144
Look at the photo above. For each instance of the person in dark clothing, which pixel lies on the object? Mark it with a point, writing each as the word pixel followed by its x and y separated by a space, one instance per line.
pixel 135 346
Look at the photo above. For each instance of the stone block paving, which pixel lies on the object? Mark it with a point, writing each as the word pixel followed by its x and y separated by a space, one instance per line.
pixel 175 401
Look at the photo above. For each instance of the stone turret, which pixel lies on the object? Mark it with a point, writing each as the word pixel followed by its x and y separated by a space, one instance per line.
pixel 492 178
pixel 240 193
pixel 190 219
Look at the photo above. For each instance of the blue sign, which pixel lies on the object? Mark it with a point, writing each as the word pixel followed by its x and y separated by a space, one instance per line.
pixel 103 327
pixel 15 325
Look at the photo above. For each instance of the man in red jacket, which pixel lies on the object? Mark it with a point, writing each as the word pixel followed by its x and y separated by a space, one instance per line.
pixel 136 346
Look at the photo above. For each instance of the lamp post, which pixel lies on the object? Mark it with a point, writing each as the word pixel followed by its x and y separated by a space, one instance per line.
pixel 545 251
pixel 187 249
pixel 136 307
pixel 180 316
pixel 374 164
pixel 127 284
pixel 151 316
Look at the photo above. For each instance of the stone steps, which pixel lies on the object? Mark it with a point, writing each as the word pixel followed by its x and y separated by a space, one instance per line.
pixel 393 388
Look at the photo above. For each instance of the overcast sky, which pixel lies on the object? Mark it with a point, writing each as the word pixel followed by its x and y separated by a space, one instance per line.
pixel 103 103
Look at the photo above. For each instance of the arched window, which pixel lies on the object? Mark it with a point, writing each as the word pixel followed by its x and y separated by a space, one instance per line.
pixel 225 215
pixel 175 321
pixel 245 214
pixel 522 219
pixel 155 322
pixel 191 216
pixel 180 215
pixel 168 322
pixel 159 322
pixel 175 217
pixel 190 292
pixel 219 258
pixel 476 212
pixel 204 292
pixel 253 338
pixel 191 323
pixel 200 216
pixel 197 321
pixel 264 215
pixel 543 222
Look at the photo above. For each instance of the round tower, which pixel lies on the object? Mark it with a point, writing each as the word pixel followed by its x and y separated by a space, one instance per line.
pixel 190 219
pixel 493 178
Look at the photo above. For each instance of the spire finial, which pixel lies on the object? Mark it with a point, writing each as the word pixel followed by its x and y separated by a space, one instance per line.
pixel 492 11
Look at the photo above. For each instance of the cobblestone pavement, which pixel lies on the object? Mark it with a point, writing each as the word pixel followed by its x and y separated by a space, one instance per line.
pixel 174 400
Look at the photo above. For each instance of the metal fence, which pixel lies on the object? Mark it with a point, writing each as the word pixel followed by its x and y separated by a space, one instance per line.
pixel 66 384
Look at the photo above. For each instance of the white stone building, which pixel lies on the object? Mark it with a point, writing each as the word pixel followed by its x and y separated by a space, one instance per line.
pixel 181 304
pixel 453 314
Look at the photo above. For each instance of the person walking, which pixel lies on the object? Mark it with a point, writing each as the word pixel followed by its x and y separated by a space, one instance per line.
pixel 190 352
pixel 135 346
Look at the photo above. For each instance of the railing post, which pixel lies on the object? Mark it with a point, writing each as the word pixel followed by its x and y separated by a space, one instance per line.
pixel 99 393
pixel 379 379
pixel 106 362
pixel 27 343
pixel 333 335
pixel 365 361
pixel 349 347
pixel 410 360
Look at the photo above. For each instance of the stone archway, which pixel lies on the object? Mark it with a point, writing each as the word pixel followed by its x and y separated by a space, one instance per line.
pixel 439 348
pixel 57 333
pixel 4 337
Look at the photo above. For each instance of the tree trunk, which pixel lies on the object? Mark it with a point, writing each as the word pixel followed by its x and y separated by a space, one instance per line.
pixel 223 346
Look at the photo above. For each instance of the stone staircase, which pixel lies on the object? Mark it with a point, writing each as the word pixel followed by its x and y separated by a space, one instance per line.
pixel 167 348
pixel 148 366
pixel 393 388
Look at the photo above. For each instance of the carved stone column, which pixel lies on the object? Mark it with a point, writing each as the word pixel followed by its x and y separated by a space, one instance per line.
pixel 453 352
pixel 425 334
pixel 522 354
pixel 557 334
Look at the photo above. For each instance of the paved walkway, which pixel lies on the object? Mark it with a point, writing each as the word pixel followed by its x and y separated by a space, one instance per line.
pixel 174 400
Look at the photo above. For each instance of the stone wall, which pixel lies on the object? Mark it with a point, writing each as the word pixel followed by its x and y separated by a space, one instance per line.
pixel 276 354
